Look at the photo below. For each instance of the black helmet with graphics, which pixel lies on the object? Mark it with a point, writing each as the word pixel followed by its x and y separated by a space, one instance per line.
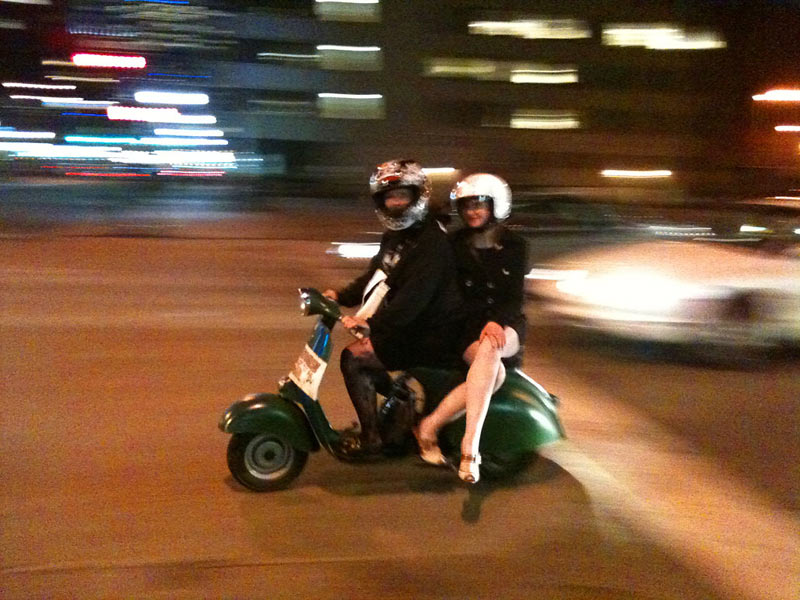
pixel 397 174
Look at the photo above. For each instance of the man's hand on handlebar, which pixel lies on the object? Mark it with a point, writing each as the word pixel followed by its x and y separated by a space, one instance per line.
pixel 356 325
pixel 331 294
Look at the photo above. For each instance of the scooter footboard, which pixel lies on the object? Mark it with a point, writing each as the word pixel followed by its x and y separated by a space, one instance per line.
pixel 270 413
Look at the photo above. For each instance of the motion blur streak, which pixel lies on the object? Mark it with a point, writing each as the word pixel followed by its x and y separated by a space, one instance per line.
pixel 91 174
pixel 109 60
pixel 778 95
pixel 28 135
pixel 189 132
pixel 170 98
pixel 37 86
pixel 787 128
pixel 636 174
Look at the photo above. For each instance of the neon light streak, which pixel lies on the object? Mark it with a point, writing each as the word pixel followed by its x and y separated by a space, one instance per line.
pixel 27 135
pixel 190 132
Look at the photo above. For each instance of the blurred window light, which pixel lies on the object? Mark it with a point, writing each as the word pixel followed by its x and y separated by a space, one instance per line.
pixel 778 95
pixel 439 170
pixel 179 75
pixel 534 29
pixel 797 231
pixel 189 132
pixel 157 115
pixel 492 70
pixel 83 79
pixel 37 86
pixel 350 106
pixel 99 139
pixel 27 135
pixel 39 2
pixel 11 24
pixel 83 114
pixel 349 58
pixel 752 229
pixel 57 63
pixel 660 36
pixel 81 103
pixel 109 60
pixel 180 141
pixel 348 10
pixel 544 119
pixel 289 56
pixel 791 128
pixel 181 98
pixel 547 75
pixel 633 174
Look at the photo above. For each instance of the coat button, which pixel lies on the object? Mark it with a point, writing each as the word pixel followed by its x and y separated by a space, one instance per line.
pixel 490 301
pixel 506 272
pixel 490 285
pixel 468 283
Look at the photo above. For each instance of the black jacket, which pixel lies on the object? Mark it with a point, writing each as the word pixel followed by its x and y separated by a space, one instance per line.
pixel 423 292
pixel 492 279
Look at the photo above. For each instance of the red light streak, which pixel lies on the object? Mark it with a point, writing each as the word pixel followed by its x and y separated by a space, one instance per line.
pixel 85 174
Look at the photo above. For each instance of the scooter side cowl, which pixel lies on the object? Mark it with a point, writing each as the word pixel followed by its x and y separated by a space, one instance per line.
pixel 264 413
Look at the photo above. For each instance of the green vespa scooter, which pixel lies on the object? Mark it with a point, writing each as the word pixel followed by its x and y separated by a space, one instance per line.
pixel 272 434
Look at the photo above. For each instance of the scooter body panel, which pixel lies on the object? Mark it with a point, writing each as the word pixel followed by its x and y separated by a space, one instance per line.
pixel 264 413
pixel 521 417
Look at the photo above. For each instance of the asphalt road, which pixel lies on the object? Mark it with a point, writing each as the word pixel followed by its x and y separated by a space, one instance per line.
pixel 119 354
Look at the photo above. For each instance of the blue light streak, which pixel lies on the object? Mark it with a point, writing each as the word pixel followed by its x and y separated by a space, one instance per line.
pixel 161 1
pixel 176 75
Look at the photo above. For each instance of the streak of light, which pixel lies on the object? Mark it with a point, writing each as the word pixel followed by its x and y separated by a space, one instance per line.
pixel 347 1
pixel 439 170
pixel 348 48
pixel 787 128
pixel 57 63
pixel 109 60
pixel 350 96
pixel 146 97
pixel 94 174
pixel 778 95
pixel 39 2
pixel 657 173
pixel 86 79
pixel 191 173
pixel 27 135
pixel 86 103
pixel 189 132
pixel 45 98
pixel 37 86
pixel 157 115
pixel 533 29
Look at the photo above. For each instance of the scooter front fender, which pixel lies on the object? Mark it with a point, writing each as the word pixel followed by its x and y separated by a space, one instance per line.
pixel 270 412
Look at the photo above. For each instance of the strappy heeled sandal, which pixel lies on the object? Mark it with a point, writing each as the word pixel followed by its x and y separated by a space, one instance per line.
pixel 471 472
pixel 429 450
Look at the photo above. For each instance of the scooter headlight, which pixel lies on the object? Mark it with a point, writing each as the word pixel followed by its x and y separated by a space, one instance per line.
pixel 305 302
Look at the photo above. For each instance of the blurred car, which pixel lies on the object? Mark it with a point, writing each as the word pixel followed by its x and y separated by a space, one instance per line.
pixel 554 224
pixel 724 303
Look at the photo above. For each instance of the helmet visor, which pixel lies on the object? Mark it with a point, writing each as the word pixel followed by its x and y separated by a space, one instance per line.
pixel 473 203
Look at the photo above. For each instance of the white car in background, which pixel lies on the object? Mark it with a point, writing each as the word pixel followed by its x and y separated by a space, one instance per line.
pixel 725 303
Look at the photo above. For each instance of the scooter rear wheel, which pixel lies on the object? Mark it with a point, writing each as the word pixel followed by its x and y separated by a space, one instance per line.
pixel 264 462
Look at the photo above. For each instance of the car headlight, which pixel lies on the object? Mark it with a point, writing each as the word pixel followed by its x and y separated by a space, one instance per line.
pixel 626 290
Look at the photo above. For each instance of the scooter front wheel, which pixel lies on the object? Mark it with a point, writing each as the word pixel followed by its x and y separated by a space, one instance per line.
pixel 264 462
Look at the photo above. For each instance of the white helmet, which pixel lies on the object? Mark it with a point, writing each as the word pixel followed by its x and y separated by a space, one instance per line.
pixel 400 173
pixel 486 187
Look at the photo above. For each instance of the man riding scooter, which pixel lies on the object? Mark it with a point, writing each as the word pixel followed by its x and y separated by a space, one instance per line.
pixel 412 311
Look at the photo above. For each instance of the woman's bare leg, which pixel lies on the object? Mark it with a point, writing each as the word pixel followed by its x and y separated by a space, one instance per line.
pixel 486 375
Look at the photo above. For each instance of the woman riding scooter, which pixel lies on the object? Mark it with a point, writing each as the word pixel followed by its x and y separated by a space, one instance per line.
pixel 491 264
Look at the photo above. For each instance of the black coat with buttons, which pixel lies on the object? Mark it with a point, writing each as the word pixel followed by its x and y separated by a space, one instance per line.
pixel 492 279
